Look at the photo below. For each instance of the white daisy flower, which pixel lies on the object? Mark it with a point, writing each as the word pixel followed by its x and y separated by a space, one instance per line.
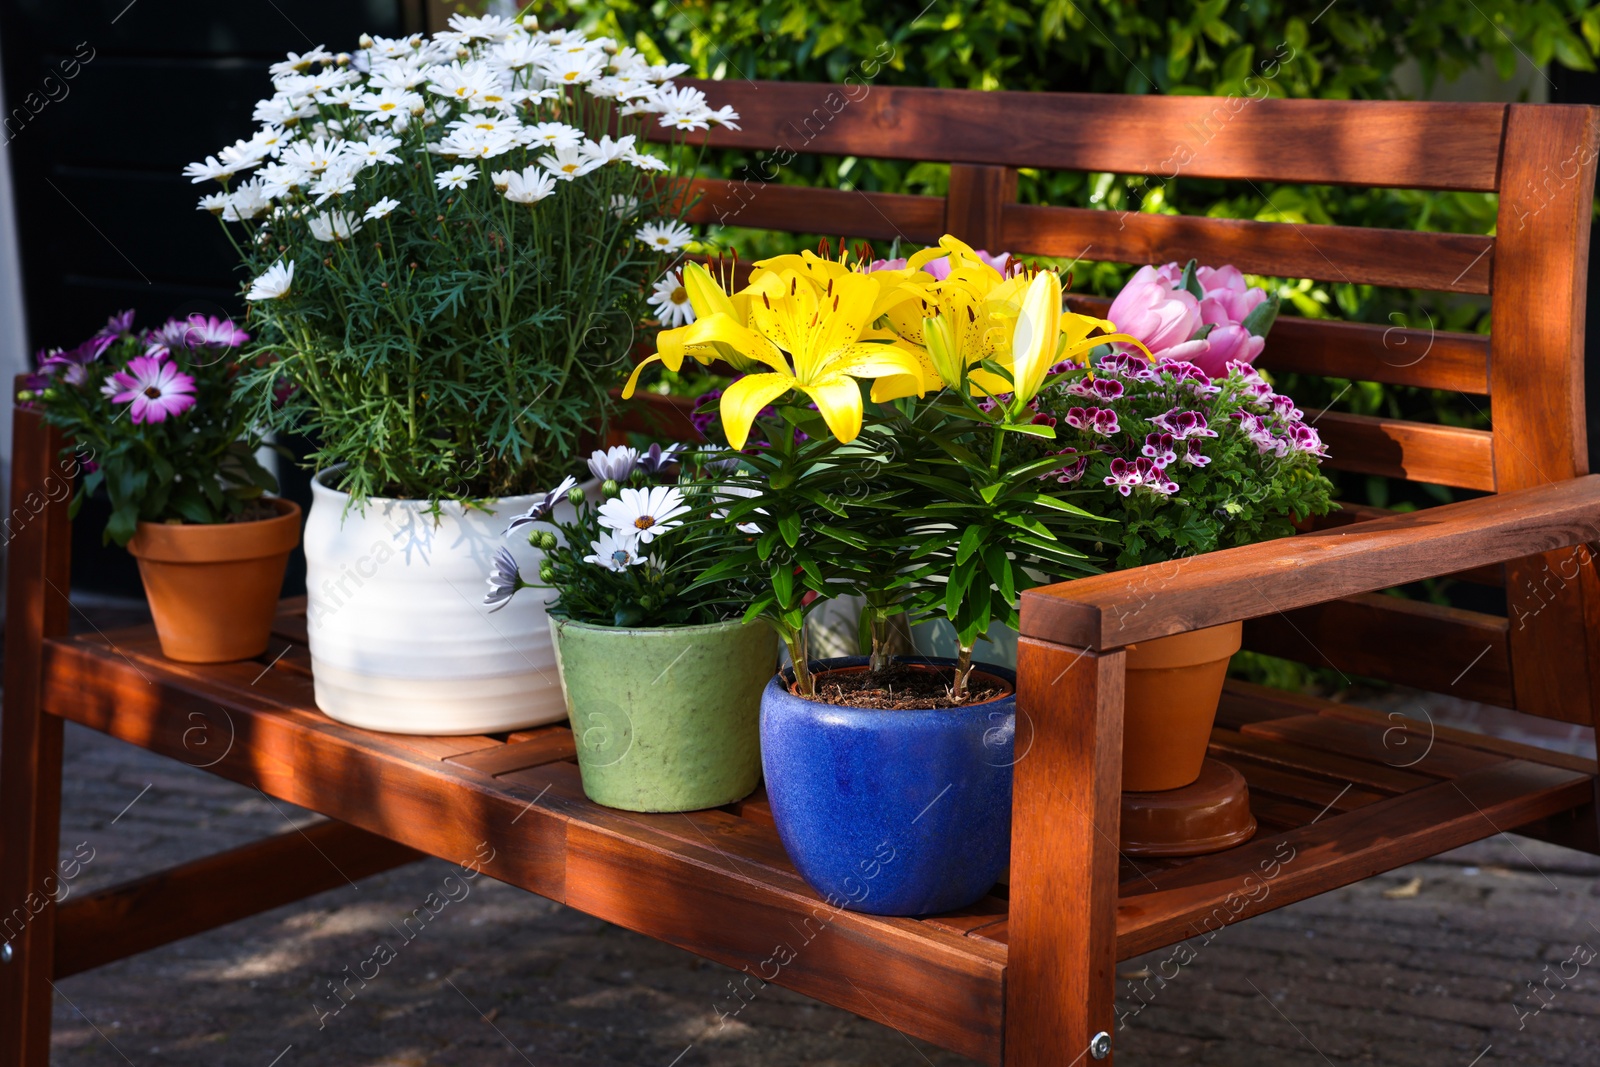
pixel 671 301
pixel 315 155
pixel 468 84
pixel 623 206
pixel 247 201
pixel 380 209
pixel 457 177
pixel 214 202
pixel 567 163
pixel 268 141
pixel 665 236
pixel 400 77
pixel 645 513
pixel 614 551
pixel 518 53
pixel 686 119
pixel 726 116
pixel 344 96
pixel 283 110
pixel 333 225
pixel 337 180
pixel 279 179
pixel 645 161
pixel 573 68
pixel 665 72
pixel 475 143
pixel 379 148
pixel 210 169
pixel 552 134
pixel 299 62
pixel 274 283
pixel 607 150
pixel 388 103
pixel 465 29
pixel 529 187
pixel 394 47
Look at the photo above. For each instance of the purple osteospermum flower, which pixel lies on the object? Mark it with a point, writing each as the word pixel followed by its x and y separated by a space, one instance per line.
pixel 117 325
pixel 156 389
pixel 197 331
pixel 504 581
pixel 614 464
pixel 658 459
pixel 543 506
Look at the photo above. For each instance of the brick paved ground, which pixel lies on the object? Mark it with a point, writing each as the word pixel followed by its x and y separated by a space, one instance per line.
pixel 504 978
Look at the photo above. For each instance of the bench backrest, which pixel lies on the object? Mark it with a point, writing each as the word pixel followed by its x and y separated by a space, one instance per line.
pixel 1543 657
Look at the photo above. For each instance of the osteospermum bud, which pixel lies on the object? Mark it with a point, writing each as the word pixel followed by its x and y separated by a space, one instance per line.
pixel 547 540
pixel 638 477
pixel 547 574
pixel 575 496
pixel 365 40
pixel 610 488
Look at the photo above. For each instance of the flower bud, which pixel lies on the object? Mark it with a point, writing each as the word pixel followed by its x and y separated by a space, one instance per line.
pixel 610 488
pixel 547 574
pixel 547 540
pixel 365 40
pixel 530 23
pixel 575 495
pixel 638 477
pixel 342 59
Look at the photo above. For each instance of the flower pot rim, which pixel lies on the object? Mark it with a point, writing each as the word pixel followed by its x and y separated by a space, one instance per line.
pixel 519 500
pixel 219 542
pixel 689 630
pixel 994 671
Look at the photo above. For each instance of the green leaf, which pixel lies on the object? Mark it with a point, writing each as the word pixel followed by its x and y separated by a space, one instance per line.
pixel 971 541
pixel 789 526
pixel 1262 316
pixel 782 585
pixel 1190 281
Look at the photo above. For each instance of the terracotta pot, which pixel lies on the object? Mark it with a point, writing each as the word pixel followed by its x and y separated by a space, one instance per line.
pixel 1173 685
pixel 213 589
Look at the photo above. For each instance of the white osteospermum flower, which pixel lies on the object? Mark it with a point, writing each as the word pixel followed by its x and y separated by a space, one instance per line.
pixel 567 163
pixel 615 551
pixel 381 209
pixel 457 177
pixel 274 283
pixel 333 225
pixel 665 236
pixel 552 134
pixel 671 301
pixel 528 187
pixel 646 513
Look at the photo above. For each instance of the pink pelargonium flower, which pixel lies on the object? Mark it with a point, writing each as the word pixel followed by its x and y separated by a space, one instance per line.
pixel 1162 317
pixel 155 388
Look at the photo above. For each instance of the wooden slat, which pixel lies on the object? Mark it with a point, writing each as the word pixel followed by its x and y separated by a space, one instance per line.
pixel 1103 611
pixel 1375 744
pixel 1493 575
pixel 1407 259
pixel 38 565
pixel 1064 869
pixel 1317 793
pixel 1394 355
pixel 123 920
pixel 978 198
pixel 1414 451
pixel 1413 642
pixel 1410 145
pixel 552 743
pixel 1429 730
pixel 803 209
pixel 1337 851
pixel 1544 224
pixel 1302 759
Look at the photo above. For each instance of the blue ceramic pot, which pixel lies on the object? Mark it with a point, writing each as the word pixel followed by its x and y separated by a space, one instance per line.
pixel 891 812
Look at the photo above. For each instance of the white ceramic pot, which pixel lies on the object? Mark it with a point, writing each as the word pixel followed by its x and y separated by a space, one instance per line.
pixel 401 640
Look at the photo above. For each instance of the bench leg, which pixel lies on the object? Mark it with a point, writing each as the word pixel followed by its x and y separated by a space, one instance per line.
pixel 1067 793
pixel 37 559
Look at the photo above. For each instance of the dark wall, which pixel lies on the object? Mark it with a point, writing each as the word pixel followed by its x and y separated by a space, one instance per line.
pixel 107 100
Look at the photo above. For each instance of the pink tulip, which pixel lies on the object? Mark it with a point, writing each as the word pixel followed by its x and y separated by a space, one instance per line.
pixel 1228 307
pixel 1171 274
pixel 1229 343
pixel 1164 318
pixel 1228 277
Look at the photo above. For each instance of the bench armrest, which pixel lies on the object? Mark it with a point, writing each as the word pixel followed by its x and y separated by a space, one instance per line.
pixel 1112 610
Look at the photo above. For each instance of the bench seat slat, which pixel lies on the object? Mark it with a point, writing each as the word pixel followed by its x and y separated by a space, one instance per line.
pixel 1326 142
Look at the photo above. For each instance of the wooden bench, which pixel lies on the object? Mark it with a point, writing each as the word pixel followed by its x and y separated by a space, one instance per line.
pixel 1025 978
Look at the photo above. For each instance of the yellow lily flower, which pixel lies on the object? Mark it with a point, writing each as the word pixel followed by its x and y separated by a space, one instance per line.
pixel 698 341
pixel 821 330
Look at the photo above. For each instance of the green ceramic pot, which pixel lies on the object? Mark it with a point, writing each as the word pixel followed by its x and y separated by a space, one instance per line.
pixel 666 718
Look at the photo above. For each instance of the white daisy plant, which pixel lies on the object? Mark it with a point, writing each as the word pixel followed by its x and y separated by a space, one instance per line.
pixel 463 212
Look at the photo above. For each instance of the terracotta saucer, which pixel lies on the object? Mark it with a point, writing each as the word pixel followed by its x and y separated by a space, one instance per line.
pixel 1208 816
